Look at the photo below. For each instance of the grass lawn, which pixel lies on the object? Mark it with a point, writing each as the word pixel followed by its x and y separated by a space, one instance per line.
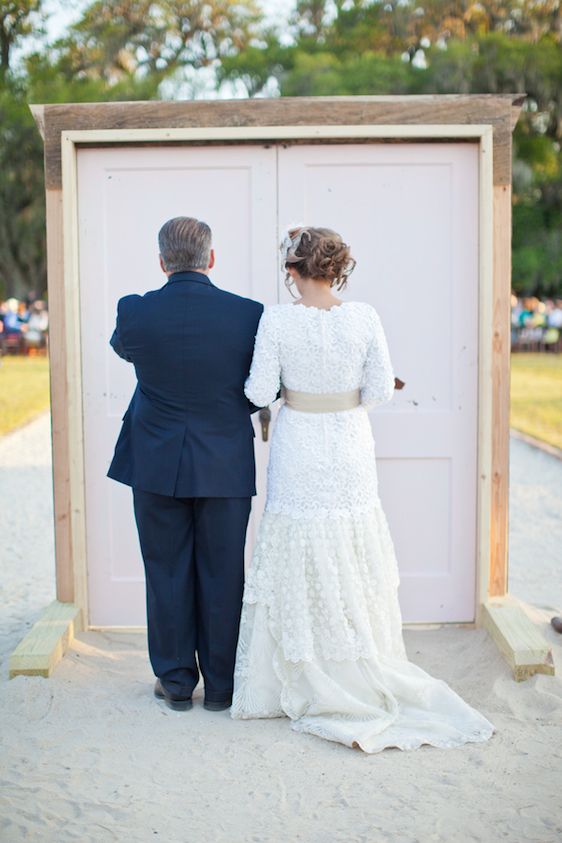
pixel 24 390
pixel 536 395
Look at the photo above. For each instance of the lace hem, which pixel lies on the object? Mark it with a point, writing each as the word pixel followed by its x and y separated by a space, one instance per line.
pixel 368 704
pixel 479 735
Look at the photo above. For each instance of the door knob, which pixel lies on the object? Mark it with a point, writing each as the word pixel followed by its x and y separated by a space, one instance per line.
pixel 265 418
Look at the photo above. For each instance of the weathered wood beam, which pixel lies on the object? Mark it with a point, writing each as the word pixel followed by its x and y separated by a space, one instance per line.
pixel 494 109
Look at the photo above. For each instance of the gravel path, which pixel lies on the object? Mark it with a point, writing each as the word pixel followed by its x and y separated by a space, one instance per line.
pixel 535 525
pixel 27 560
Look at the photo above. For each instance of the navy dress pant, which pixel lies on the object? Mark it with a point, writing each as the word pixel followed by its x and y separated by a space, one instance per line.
pixel 193 552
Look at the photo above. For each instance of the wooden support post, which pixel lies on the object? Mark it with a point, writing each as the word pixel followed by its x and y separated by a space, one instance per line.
pixel 501 342
pixel 59 398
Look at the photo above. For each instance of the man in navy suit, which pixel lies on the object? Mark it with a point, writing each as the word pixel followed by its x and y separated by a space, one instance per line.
pixel 186 447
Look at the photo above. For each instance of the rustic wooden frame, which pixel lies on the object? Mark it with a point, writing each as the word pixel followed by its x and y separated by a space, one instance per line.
pixel 487 120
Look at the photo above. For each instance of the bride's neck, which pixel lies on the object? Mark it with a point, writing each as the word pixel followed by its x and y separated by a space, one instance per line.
pixel 316 293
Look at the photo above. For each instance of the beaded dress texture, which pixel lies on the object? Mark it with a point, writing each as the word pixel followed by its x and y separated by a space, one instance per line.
pixel 321 629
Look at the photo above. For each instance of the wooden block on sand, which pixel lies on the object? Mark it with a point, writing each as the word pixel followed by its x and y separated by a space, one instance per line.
pixel 517 638
pixel 47 641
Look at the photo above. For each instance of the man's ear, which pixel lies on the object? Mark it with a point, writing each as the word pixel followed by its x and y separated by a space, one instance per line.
pixel 162 265
pixel 211 259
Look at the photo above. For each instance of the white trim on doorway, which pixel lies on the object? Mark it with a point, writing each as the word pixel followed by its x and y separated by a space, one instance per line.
pixel 71 140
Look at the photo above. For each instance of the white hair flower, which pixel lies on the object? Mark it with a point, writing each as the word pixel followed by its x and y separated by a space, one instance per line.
pixel 289 244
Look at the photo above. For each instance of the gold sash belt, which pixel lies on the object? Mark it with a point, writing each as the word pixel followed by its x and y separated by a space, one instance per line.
pixel 323 402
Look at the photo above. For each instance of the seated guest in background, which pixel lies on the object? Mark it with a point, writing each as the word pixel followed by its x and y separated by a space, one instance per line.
pixel 36 335
pixel 13 326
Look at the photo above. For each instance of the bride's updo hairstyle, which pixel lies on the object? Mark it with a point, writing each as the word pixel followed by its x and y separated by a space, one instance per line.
pixel 318 253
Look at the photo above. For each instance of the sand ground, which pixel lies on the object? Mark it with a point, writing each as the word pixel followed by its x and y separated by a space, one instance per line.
pixel 535 525
pixel 89 755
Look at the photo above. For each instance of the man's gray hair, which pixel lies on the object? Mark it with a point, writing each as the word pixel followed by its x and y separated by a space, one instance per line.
pixel 185 243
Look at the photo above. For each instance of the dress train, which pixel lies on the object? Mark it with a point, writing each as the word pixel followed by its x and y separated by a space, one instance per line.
pixel 321 642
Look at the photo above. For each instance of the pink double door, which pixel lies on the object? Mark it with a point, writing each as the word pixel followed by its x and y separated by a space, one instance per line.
pixel 410 212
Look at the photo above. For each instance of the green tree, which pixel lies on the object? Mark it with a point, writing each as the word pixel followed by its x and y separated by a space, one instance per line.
pixel 127 49
pixel 442 46
pixel 117 51
pixel 22 218
pixel 22 237
pixel 140 38
pixel 16 21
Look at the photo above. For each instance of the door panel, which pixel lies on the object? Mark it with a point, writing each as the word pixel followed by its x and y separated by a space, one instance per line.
pixel 410 214
pixel 125 194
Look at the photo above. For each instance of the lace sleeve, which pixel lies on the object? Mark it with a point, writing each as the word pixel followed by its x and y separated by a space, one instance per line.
pixel 377 385
pixel 263 383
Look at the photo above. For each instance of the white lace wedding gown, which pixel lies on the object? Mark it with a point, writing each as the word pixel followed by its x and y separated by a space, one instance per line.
pixel 321 630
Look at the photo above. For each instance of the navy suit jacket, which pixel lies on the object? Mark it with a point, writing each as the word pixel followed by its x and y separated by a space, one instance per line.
pixel 187 431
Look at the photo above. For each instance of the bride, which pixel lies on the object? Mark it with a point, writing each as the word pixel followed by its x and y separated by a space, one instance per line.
pixel 321 631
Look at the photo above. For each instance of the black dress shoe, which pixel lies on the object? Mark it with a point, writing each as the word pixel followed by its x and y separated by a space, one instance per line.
pixel 556 622
pixel 174 701
pixel 217 705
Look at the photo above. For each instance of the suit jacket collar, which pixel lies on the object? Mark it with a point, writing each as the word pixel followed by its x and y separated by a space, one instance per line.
pixel 199 277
